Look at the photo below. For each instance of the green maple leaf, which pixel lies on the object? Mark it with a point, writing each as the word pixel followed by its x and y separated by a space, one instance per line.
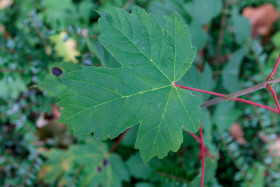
pixel 58 10
pixel 95 165
pixel 107 101
pixel 137 168
pixel 202 11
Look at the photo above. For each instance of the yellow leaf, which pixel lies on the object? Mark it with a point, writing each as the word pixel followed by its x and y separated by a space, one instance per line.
pixel 65 48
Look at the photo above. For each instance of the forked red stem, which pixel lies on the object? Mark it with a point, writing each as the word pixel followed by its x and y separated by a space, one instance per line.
pixel 202 156
pixel 274 96
pixel 223 95
pixel 235 99
pixel 270 87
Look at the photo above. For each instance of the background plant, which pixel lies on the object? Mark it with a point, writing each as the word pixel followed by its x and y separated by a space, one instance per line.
pixel 37 35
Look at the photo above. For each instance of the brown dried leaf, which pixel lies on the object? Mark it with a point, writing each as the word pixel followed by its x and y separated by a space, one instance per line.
pixel 274 148
pixel 262 18
pixel 2 29
pixel 56 112
pixel 237 133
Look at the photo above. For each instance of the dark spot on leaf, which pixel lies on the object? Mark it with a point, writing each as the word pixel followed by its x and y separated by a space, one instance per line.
pixel 105 162
pixel 57 71
pixel 99 169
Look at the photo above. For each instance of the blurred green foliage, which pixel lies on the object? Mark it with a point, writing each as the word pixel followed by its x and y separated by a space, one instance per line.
pixel 39 35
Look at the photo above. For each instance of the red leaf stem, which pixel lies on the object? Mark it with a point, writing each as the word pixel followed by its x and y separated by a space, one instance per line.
pixel 256 104
pixel 198 140
pixel 194 136
pixel 274 96
pixel 274 69
pixel 223 95
pixel 199 90
pixel 270 87
pixel 202 157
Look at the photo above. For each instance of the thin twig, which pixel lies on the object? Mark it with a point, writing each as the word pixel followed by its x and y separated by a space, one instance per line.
pixel 29 170
pixel 11 70
pixel 240 93
pixel 9 50
pixel 116 144
pixel 224 96
pixel 200 60
pixel 221 33
pixel 172 177
pixel 22 108
pixel 233 2
pixel 76 175
pixel 127 4
pixel 39 33
pixel 256 57
pixel 233 158
pixel 269 81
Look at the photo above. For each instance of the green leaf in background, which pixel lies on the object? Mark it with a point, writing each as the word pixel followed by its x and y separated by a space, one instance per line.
pixel 276 39
pixel 130 138
pixel 108 101
pixel 207 126
pixel 232 69
pixel 193 78
pixel 166 7
pixel 257 173
pixel 137 168
pixel 67 13
pixel 83 11
pixel 242 27
pixel 143 184
pixel 270 63
pixel 57 10
pixel 210 172
pixel 225 115
pixel 11 86
pixel 102 55
pixel 202 11
pixel 199 36
pixel 107 5
pixel 96 166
